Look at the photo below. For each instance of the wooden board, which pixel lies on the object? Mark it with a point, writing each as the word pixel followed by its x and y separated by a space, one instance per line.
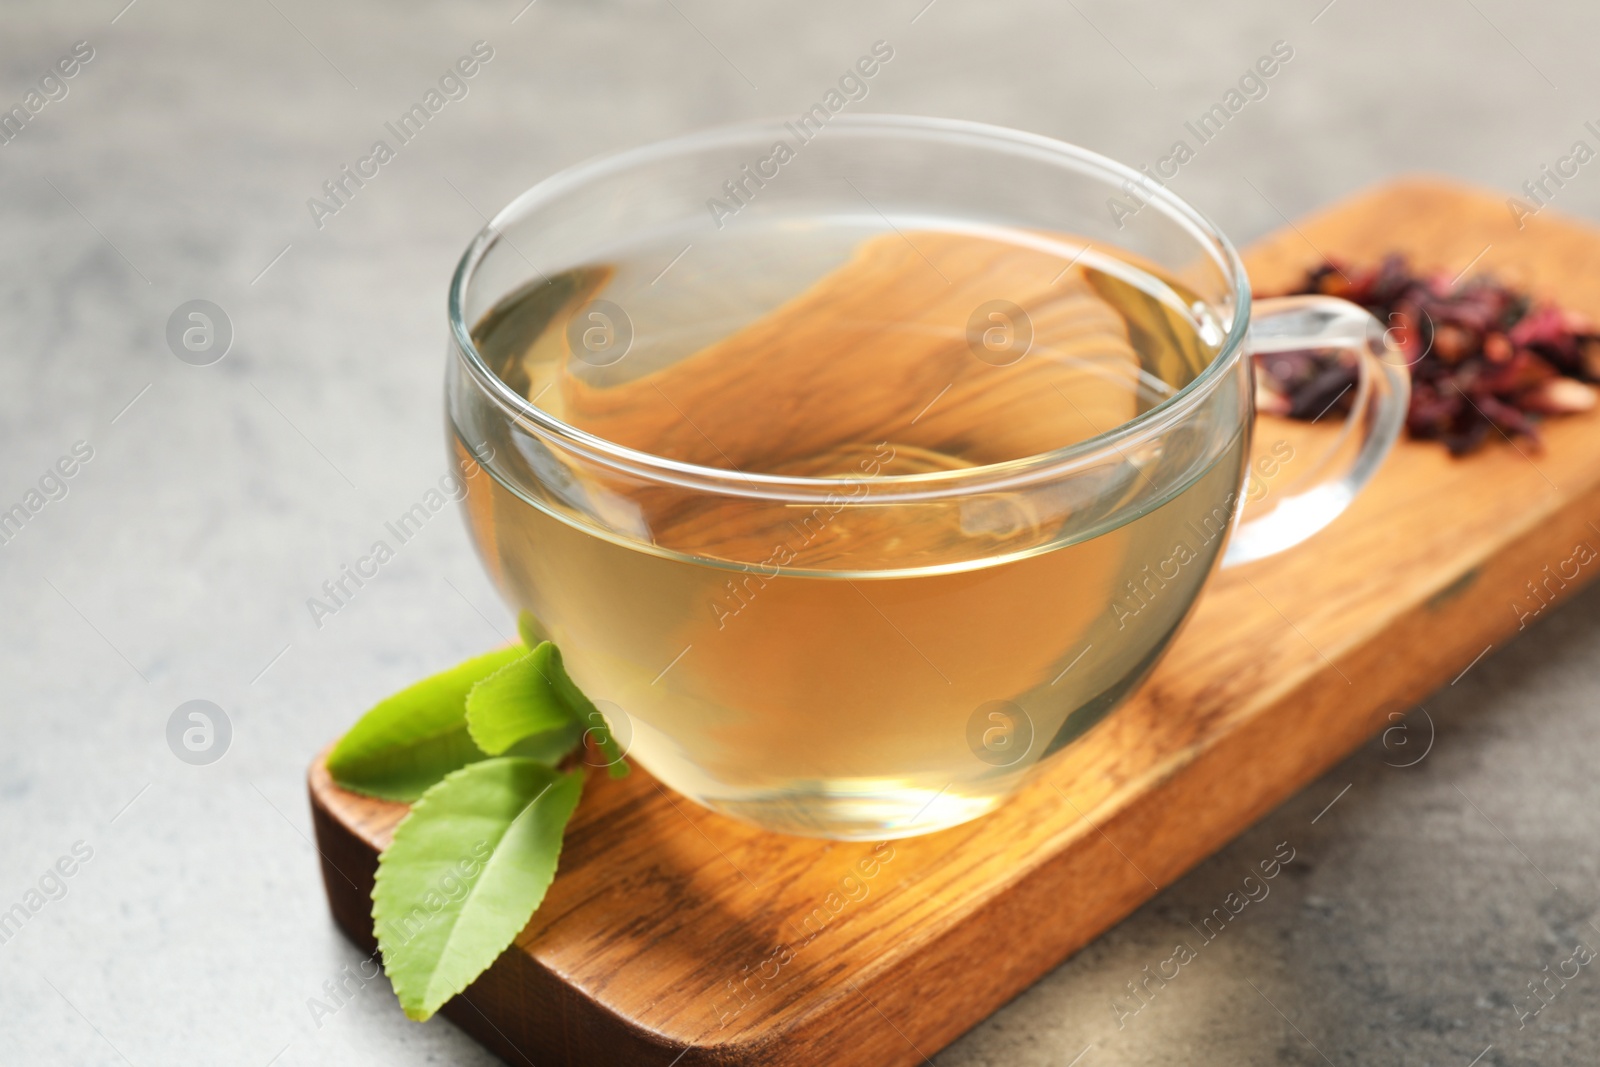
pixel 675 936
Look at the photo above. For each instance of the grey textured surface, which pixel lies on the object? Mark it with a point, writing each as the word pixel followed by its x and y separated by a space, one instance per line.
pixel 177 566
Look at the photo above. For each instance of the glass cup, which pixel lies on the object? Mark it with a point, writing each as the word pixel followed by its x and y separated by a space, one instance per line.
pixel 887 649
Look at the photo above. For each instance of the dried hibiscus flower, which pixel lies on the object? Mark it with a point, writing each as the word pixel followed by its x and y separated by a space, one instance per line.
pixel 1483 357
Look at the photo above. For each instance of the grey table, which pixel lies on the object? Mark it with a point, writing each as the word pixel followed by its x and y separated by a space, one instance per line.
pixel 177 564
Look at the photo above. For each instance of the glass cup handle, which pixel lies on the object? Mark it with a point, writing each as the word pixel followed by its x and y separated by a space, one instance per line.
pixel 1382 393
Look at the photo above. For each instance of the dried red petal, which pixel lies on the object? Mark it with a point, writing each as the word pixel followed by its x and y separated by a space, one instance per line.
pixel 1453 343
pixel 1483 357
pixel 1505 416
pixel 1560 396
pixel 1543 325
pixel 1497 348
pixel 1406 332
pixel 1523 370
pixel 1331 386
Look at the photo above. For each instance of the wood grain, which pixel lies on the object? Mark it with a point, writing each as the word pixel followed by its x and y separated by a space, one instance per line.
pixel 675 936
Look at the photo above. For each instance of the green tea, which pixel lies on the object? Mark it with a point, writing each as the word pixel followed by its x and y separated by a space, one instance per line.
pixel 864 664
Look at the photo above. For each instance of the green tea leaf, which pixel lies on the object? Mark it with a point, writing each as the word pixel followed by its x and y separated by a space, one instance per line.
pixel 412 739
pixel 594 723
pixel 550 747
pixel 532 630
pixel 519 702
pixel 467 868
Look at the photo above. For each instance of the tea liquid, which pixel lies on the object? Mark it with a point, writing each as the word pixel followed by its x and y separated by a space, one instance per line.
pixel 847 667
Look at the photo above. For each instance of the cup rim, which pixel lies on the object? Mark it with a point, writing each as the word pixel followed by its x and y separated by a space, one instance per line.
pixel 990 477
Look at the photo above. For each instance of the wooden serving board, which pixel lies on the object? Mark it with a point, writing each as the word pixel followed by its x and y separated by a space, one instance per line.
pixel 675 936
